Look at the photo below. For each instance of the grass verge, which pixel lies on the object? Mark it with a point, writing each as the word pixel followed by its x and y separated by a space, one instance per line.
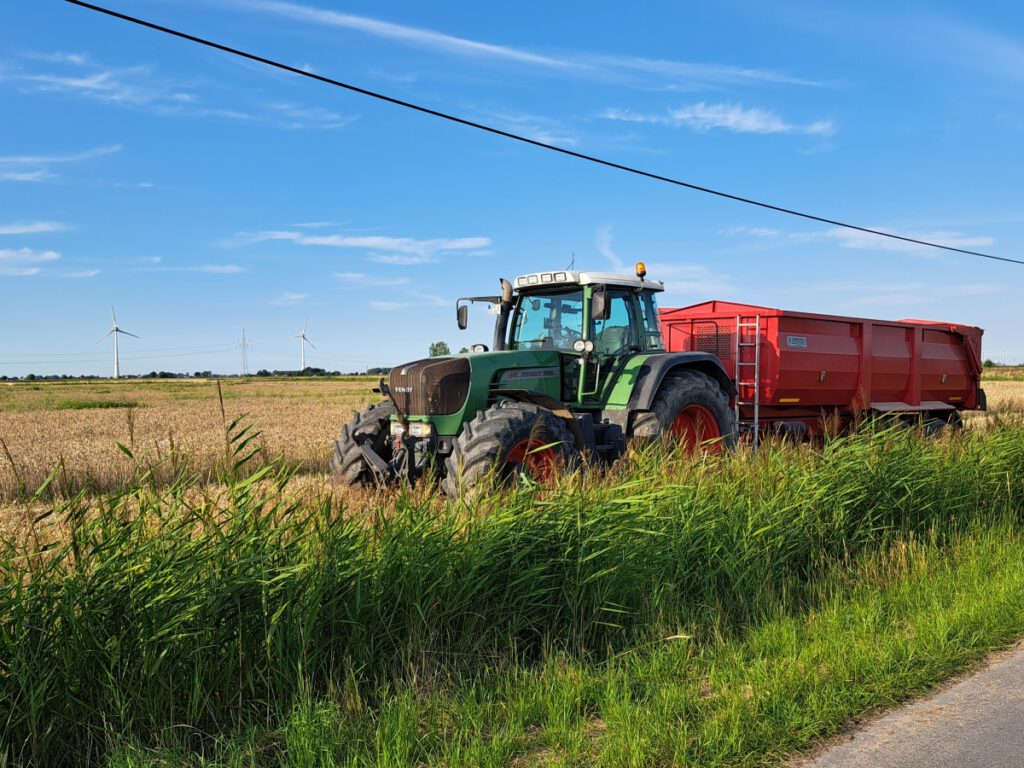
pixel 797 588
pixel 886 629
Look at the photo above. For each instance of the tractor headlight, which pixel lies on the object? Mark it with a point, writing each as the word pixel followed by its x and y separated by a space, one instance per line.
pixel 421 429
pixel 583 346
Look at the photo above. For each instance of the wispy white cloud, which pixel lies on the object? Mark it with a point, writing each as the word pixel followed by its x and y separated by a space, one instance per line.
pixel 298 116
pixel 59 57
pixel 209 269
pixel 363 279
pixel 991 52
pixel 288 299
pixel 703 117
pixel 52 159
pixel 420 301
pixel 83 274
pixel 218 269
pixel 851 238
pixel 903 294
pixel 432 299
pixel 632 70
pixel 689 75
pixel 11 166
pixel 762 232
pixel 400 261
pixel 690 279
pixel 425 249
pixel 418 36
pixel 22 262
pixel 26 256
pixel 543 129
pixel 27 176
pixel 680 279
pixel 142 87
pixel 603 243
pixel 31 228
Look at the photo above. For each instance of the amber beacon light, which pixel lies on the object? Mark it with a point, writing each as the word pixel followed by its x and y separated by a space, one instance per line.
pixel 641 270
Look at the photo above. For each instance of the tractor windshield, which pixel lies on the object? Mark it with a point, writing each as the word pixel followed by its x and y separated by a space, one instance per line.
pixel 554 321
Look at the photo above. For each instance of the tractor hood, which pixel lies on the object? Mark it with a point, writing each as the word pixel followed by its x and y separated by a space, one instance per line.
pixel 444 386
pixel 435 386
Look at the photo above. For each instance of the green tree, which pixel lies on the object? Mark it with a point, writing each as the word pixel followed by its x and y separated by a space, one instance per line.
pixel 439 349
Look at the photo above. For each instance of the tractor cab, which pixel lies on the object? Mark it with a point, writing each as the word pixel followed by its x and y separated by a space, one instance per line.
pixel 595 321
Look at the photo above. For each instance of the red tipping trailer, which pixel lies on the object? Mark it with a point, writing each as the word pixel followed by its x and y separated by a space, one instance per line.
pixel 794 370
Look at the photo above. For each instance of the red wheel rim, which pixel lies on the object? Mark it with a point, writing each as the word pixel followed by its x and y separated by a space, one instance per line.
pixel 532 457
pixel 695 427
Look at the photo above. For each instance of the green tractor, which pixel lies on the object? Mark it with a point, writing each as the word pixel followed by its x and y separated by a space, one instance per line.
pixel 578 366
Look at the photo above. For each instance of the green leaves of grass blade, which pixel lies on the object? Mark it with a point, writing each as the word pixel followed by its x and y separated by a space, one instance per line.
pixel 256 629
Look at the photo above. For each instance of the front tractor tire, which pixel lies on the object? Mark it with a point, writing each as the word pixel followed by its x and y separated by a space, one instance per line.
pixel 690 409
pixel 506 441
pixel 372 427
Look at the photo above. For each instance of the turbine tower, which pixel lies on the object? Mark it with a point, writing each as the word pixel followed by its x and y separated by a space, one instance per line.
pixel 303 341
pixel 245 345
pixel 114 331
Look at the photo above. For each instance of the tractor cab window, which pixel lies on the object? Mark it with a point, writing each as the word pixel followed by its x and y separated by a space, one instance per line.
pixel 617 334
pixel 651 322
pixel 551 321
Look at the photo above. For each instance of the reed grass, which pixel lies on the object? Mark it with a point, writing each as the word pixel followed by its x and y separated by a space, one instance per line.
pixel 165 614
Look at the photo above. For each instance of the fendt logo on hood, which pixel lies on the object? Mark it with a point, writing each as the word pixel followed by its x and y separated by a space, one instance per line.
pixel 404 390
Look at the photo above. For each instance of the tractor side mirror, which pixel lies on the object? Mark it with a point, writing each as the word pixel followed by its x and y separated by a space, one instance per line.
pixel 600 309
pixel 462 316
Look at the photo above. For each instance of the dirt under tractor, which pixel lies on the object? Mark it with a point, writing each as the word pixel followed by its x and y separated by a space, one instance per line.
pixel 577 366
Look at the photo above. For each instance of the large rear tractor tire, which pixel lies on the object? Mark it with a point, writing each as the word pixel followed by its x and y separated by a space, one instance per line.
pixel 372 426
pixel 506 441
pixel 690 408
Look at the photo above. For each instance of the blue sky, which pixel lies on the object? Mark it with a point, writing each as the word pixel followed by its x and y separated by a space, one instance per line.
pixel 200 194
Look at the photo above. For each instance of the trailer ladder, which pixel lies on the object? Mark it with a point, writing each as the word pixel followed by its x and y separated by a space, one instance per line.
pixel 748 371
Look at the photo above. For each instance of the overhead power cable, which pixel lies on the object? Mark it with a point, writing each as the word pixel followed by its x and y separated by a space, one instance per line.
pixel 526 140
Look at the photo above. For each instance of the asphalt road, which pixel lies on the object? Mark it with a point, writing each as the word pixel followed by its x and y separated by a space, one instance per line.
pixel 975 723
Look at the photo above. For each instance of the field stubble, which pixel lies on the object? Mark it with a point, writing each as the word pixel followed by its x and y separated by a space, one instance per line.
pixel 170 426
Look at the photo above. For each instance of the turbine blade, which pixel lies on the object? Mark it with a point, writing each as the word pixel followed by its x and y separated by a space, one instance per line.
pixel 310 343
pixel 105 335
pixel 296 336
pixel 113 316
pixel 305 325
pixel 128 334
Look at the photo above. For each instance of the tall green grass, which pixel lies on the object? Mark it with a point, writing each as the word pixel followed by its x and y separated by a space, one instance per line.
pixel 163 615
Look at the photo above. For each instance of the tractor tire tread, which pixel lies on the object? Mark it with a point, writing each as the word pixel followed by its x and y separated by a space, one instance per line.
pixel 490 435
pixel 348 465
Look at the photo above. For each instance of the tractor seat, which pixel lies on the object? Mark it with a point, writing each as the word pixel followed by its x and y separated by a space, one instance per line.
pixel 612 341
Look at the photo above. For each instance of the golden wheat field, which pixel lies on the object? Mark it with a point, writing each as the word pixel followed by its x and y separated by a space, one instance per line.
pixel 80 426
pixel 87 429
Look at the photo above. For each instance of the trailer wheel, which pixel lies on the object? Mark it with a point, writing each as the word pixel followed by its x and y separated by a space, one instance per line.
pixel 506 441
pixel 690 408
pixel 373 425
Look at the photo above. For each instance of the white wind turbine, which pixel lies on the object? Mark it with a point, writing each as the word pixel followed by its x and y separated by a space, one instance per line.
pixel 303 341
pixel 114 331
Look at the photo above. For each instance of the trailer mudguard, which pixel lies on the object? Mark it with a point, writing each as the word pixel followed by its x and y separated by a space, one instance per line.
pixel 658 366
